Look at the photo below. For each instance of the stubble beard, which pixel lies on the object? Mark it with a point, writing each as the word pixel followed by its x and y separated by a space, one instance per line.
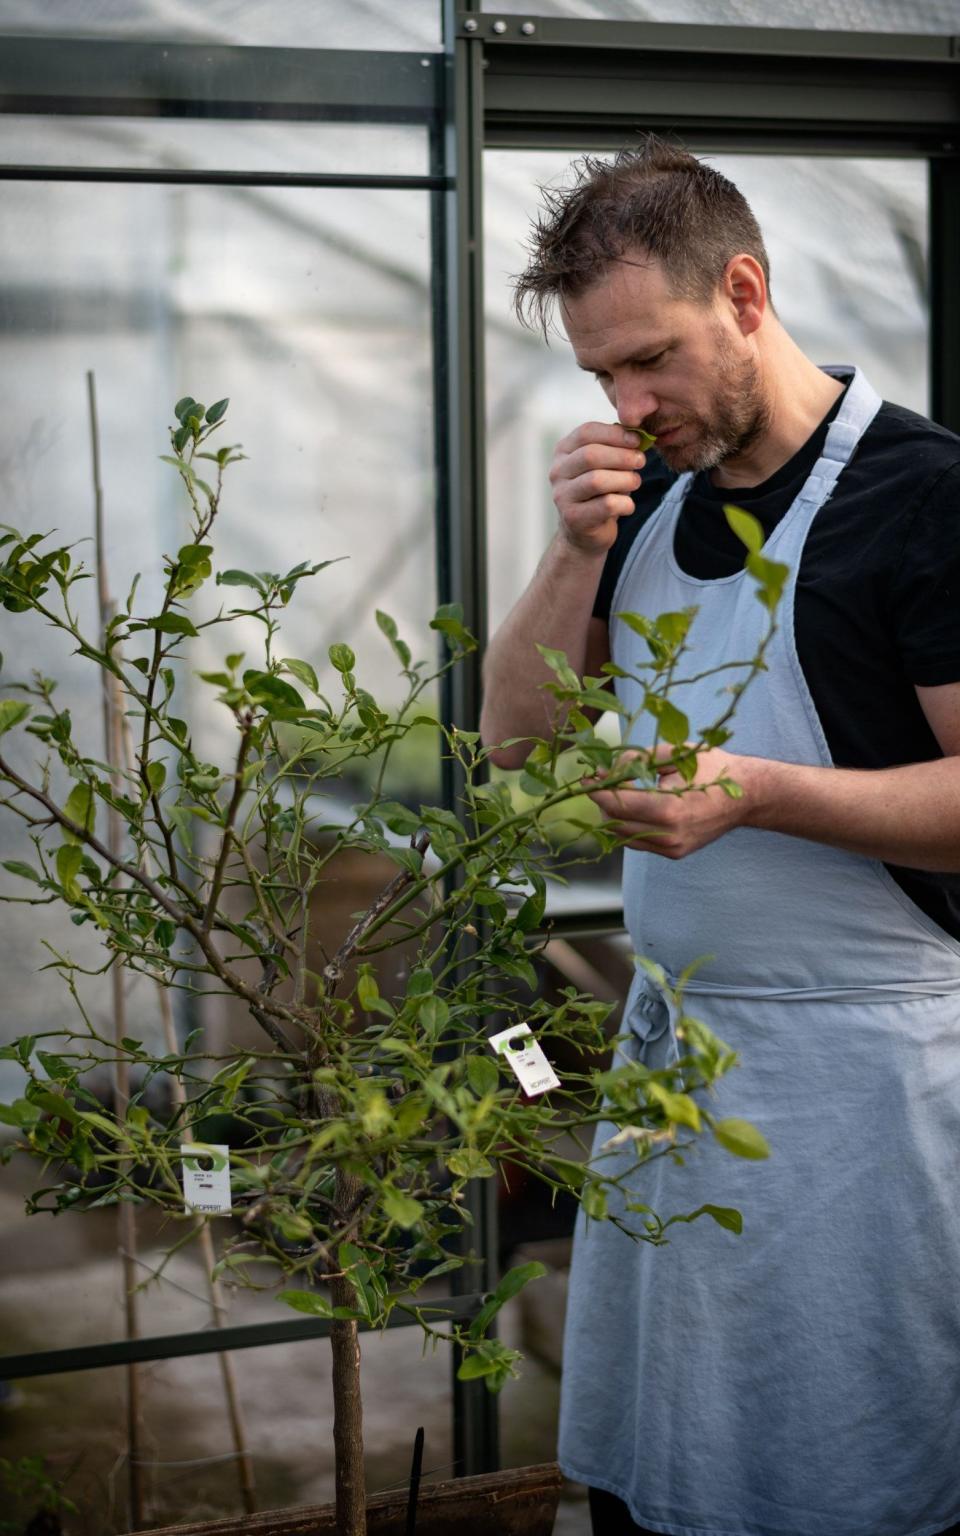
pixel 739 415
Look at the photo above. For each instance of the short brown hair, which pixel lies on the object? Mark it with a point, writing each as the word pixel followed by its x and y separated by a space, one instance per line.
pixel 657 202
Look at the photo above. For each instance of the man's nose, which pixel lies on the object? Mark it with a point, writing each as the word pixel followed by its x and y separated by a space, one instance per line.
pixel 634 403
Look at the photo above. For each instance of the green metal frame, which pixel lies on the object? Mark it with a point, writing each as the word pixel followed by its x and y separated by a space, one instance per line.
pixel 520 82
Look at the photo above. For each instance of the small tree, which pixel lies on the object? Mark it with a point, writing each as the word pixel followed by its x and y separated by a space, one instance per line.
pixel 362 1116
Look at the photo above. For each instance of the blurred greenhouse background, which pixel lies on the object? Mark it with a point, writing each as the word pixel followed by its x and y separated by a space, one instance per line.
pixel 311 309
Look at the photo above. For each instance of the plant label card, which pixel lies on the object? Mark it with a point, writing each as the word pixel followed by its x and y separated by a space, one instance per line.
pixel 522 1052
pixel 206 1177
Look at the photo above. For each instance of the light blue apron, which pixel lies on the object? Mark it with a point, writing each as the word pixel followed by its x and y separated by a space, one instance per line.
pixel 802 1379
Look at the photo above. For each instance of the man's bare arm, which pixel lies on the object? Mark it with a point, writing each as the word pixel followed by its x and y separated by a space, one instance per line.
pixel 594 472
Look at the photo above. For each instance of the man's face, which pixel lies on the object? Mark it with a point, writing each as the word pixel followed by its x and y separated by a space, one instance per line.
pixel 680 369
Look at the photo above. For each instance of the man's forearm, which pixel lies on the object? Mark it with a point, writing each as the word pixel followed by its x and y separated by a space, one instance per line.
pixel 554 611
pixel 908 816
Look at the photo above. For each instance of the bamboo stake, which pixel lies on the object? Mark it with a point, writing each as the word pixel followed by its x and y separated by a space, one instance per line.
pixel 218 1309
pixel 126 1216
pixel 248 1489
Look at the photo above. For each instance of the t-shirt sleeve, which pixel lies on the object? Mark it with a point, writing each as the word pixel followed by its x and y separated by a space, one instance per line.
pixel 926 587
pixel 656 481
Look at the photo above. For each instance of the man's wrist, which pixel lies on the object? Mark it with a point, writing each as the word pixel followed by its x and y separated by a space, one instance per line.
pixel 584 555
pixel 763 781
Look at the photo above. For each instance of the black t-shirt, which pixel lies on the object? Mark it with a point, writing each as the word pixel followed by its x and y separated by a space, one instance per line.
pixel 878 591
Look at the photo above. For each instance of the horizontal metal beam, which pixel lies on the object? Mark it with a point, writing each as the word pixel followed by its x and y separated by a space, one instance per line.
pixel 108 78
pixel 589 923
pixel 212 1341
pixel 661 37
pixel 599 84
pixel 178 178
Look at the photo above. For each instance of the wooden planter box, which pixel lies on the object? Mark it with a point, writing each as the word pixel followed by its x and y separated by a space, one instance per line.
pixel 519 1502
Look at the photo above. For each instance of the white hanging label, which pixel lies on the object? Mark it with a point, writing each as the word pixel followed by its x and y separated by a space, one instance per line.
pixel 523 1054
pixel 206 1177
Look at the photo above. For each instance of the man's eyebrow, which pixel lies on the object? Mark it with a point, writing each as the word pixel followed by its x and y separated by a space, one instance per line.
pixel 635 357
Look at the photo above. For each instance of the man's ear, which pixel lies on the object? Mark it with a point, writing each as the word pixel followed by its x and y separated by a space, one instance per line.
pixel 744 288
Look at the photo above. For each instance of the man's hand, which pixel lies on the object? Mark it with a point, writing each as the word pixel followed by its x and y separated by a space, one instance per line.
pixel 594 472
pixel 675 825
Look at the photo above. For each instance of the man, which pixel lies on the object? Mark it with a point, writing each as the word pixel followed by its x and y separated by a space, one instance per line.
pixel 800 1379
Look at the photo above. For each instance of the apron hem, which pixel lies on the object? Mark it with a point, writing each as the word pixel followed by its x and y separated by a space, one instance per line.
pixel 672 1528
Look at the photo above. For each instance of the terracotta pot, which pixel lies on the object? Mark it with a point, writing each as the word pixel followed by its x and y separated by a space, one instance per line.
pixel 519 1502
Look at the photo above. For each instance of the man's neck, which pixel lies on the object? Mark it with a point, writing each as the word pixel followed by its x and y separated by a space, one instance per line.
pixel 799 396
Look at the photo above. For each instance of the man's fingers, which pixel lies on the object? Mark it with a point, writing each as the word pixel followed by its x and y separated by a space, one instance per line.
pixel 630 805
pixel 609 432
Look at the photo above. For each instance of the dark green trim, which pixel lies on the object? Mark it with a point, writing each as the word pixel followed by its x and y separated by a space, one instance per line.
pixel 672 37
pixel 106 78
pixel 945 292
pixel 211 1341
pixel 571 99
pixel 462 575
pixel 119 173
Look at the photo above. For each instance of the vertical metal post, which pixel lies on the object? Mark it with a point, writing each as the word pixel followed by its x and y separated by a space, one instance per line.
pixel 944 215
pixel 461 552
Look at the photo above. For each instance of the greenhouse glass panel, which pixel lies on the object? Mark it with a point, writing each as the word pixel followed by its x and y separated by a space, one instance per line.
pixel 242 23
pixel 295 305
pixel 934 17
pixel 170 144
pixel 75 1422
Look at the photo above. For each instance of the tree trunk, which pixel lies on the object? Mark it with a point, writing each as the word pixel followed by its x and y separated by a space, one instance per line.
pixel 347 1416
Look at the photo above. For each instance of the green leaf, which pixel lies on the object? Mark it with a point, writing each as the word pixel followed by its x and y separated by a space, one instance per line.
pixel 69 859
pixel 307 1301
pixel 468 1163
pixel 368 993
pixel 342 657
pixel 448 619
pixel 401 1208
pixel 644 438
pixel 434 1013
pixel 217 411
pixel 183 407
pixel 482 1075
pixel 531 912
pixel 673 723
pixel 80 808
pixel 156 776
pixel 724 1215
pixel 593 1198
pixel 303 672
pixel 678 1107
pixel 25 871
pixel 101 1123
pixel 12 711
pixel 515 1279
pixel 420 982
pixel 20 1113
pixel 741 1138
pixel 389 628
pixel 240 579
pixel 475 1366
pixel 771 576
pixel 746 527
pixel 399 818
pixel 166 624
pixel 272 693
pixel 558 663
